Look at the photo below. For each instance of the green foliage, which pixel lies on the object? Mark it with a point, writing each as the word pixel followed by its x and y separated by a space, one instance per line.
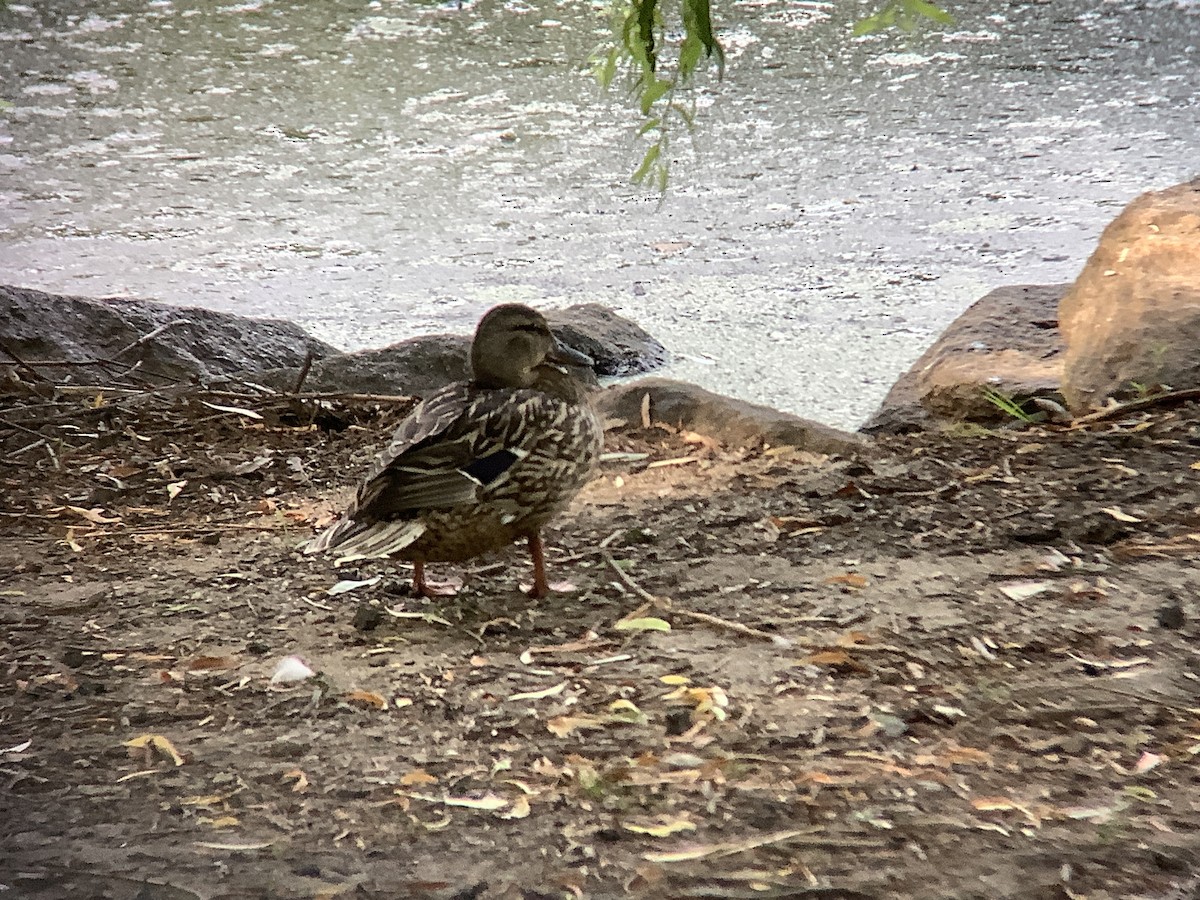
pixel 1007 405
pixel 902 14
pixel 660 82
pixel 639 36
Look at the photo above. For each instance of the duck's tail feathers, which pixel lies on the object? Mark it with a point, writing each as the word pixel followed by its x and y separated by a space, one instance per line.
pixel 360 540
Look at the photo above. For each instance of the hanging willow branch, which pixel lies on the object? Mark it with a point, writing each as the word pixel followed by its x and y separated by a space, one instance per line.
pixel 638 41
pixel 638 45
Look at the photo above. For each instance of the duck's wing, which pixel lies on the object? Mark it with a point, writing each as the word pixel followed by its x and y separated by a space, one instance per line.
pixel 463 441
pixel 452 446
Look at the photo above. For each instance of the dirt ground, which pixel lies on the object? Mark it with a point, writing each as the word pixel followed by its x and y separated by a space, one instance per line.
pixel 959 666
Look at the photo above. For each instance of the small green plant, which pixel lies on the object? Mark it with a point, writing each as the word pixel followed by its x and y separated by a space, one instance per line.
pixel 1008 405
pixel 1144 391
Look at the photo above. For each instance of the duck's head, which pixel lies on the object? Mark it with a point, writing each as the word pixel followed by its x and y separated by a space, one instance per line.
pixel 514 348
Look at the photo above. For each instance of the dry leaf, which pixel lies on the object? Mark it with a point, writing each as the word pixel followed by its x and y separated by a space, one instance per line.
pixel 95 515
pixel 1004 804
pixel 849 579
pixel 343 587
pixel 561 726
pixel 1148 761
pixel 301 780
pixel 1116 513
pixel 677 461
pixel 204 800
pixel 366 698
pixel 538 695
pixel 488 802
pixel 237 410
pixel 661 828
pixel 1023 590
pixel 685 854
pixel 212 663
pixel 417 776
pixel 155 743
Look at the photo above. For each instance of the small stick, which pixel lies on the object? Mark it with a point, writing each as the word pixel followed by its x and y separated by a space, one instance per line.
pixel 303 374
pixel 151 336
pixel 733 626
pixel 25 448
pixel 1134 405
pixel 38 376
pixel 664 603
pixel 7 424
pixel 627 580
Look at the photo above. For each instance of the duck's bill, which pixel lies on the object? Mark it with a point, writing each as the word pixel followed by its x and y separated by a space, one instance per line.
pixel 567 356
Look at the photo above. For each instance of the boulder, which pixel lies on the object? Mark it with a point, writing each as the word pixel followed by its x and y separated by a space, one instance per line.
pixel 421 365
pixel 139 341
pixel 618 346
pixel 733 423
pixel 414 367
pixel 1007 341
pixel 1131 321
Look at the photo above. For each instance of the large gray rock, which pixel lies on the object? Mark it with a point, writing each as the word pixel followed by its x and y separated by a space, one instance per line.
pixel 421 365
pixel 415 367
pixel 1007 342
pixel 618 346
pixel 1131 321
pixel 165 343
pixel 731 422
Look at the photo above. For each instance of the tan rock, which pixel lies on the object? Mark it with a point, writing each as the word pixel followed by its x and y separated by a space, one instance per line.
pixel 1132 318
pixel 1007 341
pixel 733 423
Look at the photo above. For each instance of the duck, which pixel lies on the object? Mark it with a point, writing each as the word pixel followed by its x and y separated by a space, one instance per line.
pixel 480 463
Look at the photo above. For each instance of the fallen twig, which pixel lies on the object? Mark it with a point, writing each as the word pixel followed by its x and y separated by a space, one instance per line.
pixel 151 335
pixel 21 364
pixel 1120 409
pixel 303 373
pixel 665 603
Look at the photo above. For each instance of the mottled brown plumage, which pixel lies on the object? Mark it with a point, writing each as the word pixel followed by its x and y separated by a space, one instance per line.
pixel 479 463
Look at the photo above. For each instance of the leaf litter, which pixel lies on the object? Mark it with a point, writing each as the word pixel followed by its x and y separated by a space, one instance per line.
pixel 934 730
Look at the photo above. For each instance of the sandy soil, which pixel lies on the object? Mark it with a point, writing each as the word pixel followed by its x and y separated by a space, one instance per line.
pixel 957 667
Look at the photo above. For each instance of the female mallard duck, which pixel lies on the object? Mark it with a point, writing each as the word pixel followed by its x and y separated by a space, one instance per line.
pixel 481 462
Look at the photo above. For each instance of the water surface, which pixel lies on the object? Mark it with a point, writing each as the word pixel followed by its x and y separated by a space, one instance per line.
pixel 379 170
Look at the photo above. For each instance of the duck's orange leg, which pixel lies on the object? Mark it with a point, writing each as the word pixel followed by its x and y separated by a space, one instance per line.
pixel 428 589
pixel 541 587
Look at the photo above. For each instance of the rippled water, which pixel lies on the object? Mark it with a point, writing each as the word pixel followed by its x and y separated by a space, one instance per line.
pixel 378 170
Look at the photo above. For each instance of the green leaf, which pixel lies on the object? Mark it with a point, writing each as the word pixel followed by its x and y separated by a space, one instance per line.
pixel 645 10
pixel 647 162
pixel 688 116
pixel 649 125
pixel 929 11
pixel 606 68
pixel 689 56
pixel 697 22
pixel 653 92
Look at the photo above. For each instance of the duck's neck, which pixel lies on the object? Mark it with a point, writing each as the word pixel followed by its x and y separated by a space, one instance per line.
pixel 562 385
